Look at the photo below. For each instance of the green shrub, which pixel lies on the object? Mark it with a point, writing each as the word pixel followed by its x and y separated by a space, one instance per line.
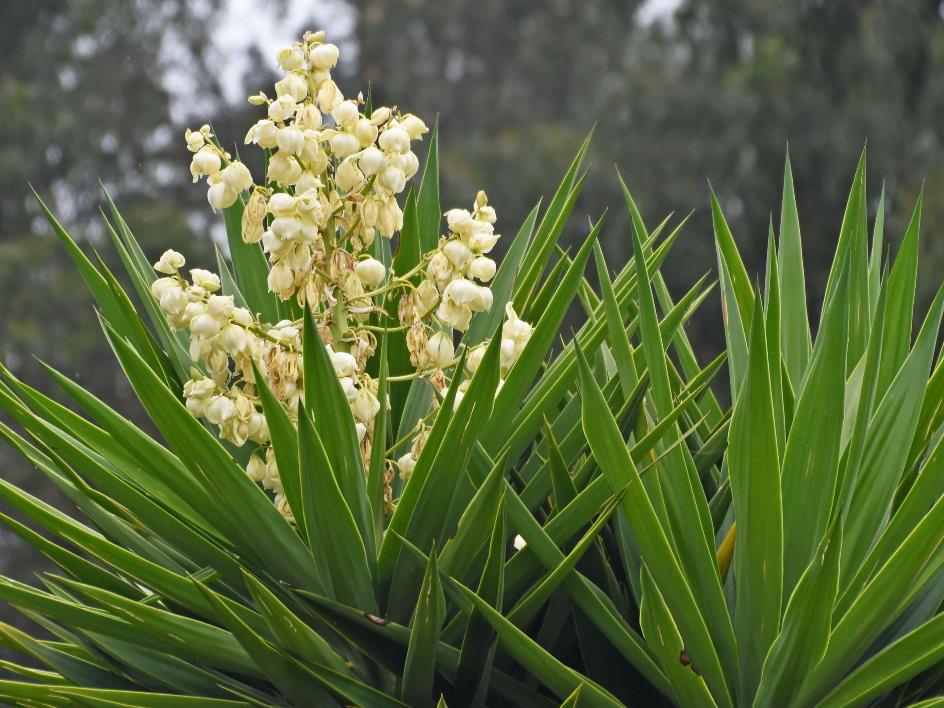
pixel 579 523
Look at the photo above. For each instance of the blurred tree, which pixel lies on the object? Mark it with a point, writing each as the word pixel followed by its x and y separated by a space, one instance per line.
pixel 88 91
pixel 679 92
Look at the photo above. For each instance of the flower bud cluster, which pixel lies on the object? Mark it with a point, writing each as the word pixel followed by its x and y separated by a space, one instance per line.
pixel 228 341
pixel 344 165
pixel 334 171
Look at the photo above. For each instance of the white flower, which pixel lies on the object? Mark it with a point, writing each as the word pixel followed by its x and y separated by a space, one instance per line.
pixel 265 134
pixel 482 268
pixel 170 262
pixel 427 295
pixel 457 252
pixel 344 144
pixel 345 113
pixel 392 179
pixel 483 299
pixel 519 542
pixel 516 328
pixel 252 222
pixel 344 364
pixel 440 350
pixel 220 409
pixel 237 177
pixel 474 358
pixel 380 115
pixel 204 326
pixel 515 336
pixel 256 469
pixel 453 315
pixel 323 57
pixel 482 240
pixel 205 279
pixel 220 196
pixel 409 163
pixel 282 108
pixel 329 95
pixel 161 286
pixel 195 140
pixel 361 431
pixel 461 292
pixel 286 228
pixel 390 217
pixel 294 85
pixel 460 221
pixel 371 271
pixel 242 316
pixel 349 388
pixel 308 117
pixel 413 126
pixel 365 131
pixel 284 168
pixel 280 278
pixel 206 162
pixel 507 354
pixel 308 182
pixel 234 339
pixel 406 464
pixel 220 306
pixel 439 269
pixel 281 204
pixel 371 161
pixel 291 58
pixel 173 301
pixel 290 140
pixel 395 140
pixel 348 177
pixel 365 406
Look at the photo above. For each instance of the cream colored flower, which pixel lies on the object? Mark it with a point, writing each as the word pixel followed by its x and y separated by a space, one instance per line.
pixel 204 163
pixel 371 271
pixel 413 126
pixel 482 268
pixel 291 58
pixel 344 364
pixel 324 56
pixel 220 196
pixel 205 279
pixel 170 262
pixel 440 350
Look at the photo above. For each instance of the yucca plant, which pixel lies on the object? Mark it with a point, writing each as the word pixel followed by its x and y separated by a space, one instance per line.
pixel 338 510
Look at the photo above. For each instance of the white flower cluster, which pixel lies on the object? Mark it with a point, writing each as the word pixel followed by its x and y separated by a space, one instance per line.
pixel 333 166
pixel 334 171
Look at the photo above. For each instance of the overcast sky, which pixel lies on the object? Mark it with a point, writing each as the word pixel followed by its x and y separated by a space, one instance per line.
pixel 251 23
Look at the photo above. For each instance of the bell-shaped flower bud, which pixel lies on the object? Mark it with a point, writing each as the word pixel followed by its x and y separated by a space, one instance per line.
pixel 371 161
pixel 395 140
pixel 440 350
pixel 237 177
pixel 483 268
pixel 323 57
pixel 170 262
pixel 413 126
pixel 344 364
pixel 205 326
pixel 370 271
pixel 206 162
pixel 457 252
pixel 290 140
